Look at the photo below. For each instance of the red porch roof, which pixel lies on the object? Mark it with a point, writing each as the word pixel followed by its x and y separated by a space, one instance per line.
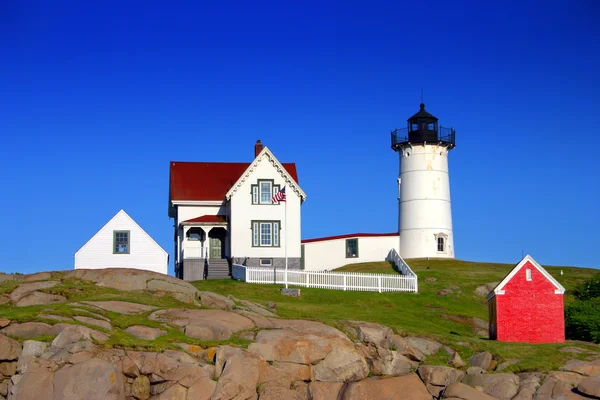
pixel 208 219
pixel 206 181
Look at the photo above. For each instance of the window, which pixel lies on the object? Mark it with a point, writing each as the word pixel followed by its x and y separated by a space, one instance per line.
pixel 194 234
pixel 351 248
pixel 263 191
pixel 266 262
pixel 120 242
pixel 265 233
pixel 440 244
pixel 528 274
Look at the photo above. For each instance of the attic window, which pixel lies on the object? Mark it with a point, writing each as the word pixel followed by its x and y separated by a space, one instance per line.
pixel 528 274
pixel 120 242
pixel 263 191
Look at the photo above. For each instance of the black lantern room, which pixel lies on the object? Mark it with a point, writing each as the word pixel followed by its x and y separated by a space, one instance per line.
pixel 422 128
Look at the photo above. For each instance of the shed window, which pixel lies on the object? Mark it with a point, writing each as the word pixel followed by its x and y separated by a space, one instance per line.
pixel 351 248
pixel 528 274
pixel 120 242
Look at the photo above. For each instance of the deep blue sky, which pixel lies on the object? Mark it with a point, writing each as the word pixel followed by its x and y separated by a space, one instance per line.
pixel 96 97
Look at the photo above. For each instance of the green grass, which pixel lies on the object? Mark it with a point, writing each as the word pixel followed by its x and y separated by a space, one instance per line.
pixel 424 314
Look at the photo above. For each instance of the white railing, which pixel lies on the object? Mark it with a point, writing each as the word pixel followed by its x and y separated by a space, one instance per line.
pixel 399 263
pixel 328 280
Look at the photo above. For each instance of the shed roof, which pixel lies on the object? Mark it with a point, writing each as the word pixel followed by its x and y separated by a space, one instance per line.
pixel 499 290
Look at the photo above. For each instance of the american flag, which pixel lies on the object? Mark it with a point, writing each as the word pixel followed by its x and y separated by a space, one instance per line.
pixel 279 196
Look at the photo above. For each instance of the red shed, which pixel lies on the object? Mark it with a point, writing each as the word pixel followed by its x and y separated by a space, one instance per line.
pixel 527 306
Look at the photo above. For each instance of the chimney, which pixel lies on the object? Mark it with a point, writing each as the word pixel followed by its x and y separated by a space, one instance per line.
pixel 257 148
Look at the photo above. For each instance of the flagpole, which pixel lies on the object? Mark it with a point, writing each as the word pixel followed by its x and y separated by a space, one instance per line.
pixel 285 245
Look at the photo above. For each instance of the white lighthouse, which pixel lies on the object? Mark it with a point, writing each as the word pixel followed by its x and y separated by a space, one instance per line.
pixel 425 212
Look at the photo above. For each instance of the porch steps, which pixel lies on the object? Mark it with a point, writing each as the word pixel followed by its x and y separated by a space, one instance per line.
pixel 218 269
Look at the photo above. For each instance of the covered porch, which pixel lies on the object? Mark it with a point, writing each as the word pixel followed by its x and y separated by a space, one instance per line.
pixel 205 248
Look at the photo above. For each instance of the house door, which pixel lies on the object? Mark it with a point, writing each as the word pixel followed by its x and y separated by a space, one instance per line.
pixel 215 247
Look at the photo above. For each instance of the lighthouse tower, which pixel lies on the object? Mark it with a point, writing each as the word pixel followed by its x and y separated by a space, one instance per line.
pixel 425 213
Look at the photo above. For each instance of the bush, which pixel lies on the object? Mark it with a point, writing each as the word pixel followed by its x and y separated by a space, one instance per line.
pixel 582 320
pixel 589 289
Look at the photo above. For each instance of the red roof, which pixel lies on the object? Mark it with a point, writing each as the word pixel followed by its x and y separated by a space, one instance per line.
pixel 352 235
pixel 206 181
pixel 211 219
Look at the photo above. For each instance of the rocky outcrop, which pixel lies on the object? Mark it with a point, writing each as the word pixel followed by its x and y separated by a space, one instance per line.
pixel 121 307
pixel 397 388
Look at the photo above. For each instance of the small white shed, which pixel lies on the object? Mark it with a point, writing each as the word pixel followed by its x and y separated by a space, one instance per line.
pixel 122 243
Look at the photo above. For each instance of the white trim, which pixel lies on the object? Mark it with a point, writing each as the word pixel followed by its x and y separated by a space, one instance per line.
pixel 132 220
pixel 282 171
pixel 196 203
pixel 498 290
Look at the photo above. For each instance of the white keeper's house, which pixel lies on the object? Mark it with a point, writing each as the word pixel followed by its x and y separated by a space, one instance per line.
pixel 122 243
pixel 223 213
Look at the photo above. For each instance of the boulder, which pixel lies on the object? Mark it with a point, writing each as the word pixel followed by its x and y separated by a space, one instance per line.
pixel 174 392
pixel 33 348
pixel 465 392
pixel 324 390
pixel 205 324
pixel 342 364
pixel 214 300
pixel 587 368
pixel 36 298
pixel 387 362
pixel 485 289
pixel 426 346
pixel 76 333
pixel 10 349
pixel 145 332
pixel 140 387
pixel 475 371
pixel 397 388
pixel 26 288
pixel 482 360
pixel 93 379
pixel 4 322
pixel 398 343
pixel 95 322
pixel 4 300
pixel 37 383
pixel 288 345
pixel 590 386
pixel 369 332
pixel 121 307
pixel 559 385
pixel 8 368
pixel 455 360
pixel 529 383
pixel 439 375
pixel 500 386
pixel 143 360
pixel 28 330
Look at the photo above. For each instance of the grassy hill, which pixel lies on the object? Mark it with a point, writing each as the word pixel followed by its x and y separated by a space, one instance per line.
pixel 448 319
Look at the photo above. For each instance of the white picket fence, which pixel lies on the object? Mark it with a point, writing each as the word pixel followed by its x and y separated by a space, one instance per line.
pixel 329 280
